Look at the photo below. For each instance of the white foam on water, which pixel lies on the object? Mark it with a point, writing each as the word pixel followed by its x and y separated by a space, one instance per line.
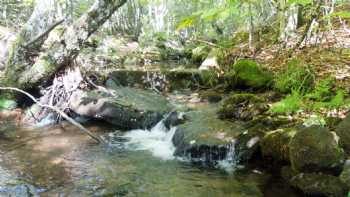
pixel 230 163
pixel 158 140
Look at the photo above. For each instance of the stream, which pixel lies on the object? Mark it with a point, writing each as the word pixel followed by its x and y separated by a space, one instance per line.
pixel 59 161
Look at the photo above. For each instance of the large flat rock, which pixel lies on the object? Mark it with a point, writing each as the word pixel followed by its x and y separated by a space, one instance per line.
pixel 126 108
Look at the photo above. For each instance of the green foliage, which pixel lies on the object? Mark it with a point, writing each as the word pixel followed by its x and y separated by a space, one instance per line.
pixel 291 104
pixel 300 2
pixel 7 104
pixel 341 14
pixel 200 53
pixel 209 78
pixel 323 90
pixel 248 73
pixel 335 103
pixel 294 77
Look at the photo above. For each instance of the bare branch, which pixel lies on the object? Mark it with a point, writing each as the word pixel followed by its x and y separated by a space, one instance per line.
pixel 45 33
pixel 64 115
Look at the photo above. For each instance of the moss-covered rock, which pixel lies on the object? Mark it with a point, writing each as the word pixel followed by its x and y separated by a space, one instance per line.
pixel 345 175
pixel 343 131
pixel 203 137
pixel 315 184
pixel 242 107
pixel 315 149
pixel 275 144
pixel 213 96
pixel 248 74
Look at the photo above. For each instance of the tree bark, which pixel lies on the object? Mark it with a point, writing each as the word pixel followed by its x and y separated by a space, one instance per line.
pixel 19 58
pixel 61 50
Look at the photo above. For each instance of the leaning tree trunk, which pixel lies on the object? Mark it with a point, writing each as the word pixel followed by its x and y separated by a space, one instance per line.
pixel 23 49
pixel 60 50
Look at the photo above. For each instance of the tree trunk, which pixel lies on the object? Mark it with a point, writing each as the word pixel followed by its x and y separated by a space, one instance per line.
pixel 19 58
pixel 60 50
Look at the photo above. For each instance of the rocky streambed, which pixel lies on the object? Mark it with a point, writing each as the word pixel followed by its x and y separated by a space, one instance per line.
pixel 184 143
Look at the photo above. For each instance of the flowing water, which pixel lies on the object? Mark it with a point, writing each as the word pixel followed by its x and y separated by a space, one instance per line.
pixel 61 161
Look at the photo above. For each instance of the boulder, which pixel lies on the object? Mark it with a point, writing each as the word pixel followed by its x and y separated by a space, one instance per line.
pixel 127 108
pixel 345 174
pixel 242 107
pixel 248 74
pixel 247 144
pixel 315 184
pixel 343 131
pixel 204 138
pixel 275 144
pixel 315 149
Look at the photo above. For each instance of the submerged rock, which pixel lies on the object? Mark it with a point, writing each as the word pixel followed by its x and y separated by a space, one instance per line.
pixel 275 144
pixel 127 109
pixel 343 131
pixel 315 184
pixel 242 107
pixel 315 149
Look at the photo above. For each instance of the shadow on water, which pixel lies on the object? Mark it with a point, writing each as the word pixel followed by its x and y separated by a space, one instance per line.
pixel 64 162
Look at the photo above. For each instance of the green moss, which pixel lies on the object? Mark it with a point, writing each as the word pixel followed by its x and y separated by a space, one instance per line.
pixel 345 174
pixel 248 74
pixel 343 132
pixel 315 184
pixel 242 106
pixel 294 77
pixel 275 144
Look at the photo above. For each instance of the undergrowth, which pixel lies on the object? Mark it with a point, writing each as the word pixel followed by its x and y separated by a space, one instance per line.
pixel 304 94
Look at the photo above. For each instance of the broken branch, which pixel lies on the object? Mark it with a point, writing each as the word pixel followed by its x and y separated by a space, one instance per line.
pixel 64 115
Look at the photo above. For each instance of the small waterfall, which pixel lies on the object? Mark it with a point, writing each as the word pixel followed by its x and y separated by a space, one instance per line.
pixel 231 161
pixel 158 141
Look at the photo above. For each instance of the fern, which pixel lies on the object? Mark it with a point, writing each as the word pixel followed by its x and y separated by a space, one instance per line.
pixel 291 104
pixel 322 91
